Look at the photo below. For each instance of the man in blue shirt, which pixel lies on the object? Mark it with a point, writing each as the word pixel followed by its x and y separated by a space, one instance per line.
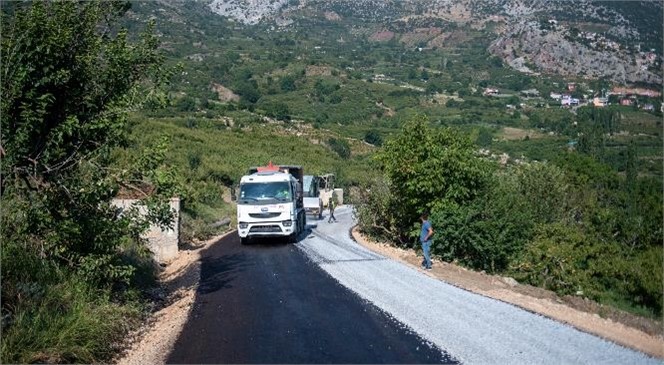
pixel 425 240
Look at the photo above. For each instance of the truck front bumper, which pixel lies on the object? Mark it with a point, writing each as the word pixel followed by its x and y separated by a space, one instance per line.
pixel 266 229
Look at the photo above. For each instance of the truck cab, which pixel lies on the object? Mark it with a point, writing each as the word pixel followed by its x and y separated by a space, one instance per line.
pixel 270 204
pixel 313 204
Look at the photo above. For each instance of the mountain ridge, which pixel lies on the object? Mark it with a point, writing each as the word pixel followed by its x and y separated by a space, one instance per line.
pixel 548 36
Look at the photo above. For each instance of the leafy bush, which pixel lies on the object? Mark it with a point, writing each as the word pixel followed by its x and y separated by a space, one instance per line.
pixel 340 147
pixel 484 138
pixel 545 187
pixel 569 226
pixel 375 210
pixel 287 83
pixel 487 232
pixel 566 259
pixel 374 138
pixel 561 258
pixel 277 110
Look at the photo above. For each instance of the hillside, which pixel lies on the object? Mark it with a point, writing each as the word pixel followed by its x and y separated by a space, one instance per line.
pixel 585 38
pixel 363 68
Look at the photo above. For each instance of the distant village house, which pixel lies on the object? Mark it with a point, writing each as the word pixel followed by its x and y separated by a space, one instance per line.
pixel 490 91
pixel 626 102
pixel 600 102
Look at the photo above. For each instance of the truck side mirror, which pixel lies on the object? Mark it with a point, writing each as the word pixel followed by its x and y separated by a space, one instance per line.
pixel 233 195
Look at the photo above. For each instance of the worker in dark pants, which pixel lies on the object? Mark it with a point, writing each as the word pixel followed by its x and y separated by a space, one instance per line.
pixel 330 205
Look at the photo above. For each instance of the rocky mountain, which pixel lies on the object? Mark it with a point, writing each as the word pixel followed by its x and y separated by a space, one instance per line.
pixel 527 47
pixel 619 41
pixel 248 11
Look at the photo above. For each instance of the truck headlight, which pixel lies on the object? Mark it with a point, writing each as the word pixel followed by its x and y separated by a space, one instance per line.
pixel 287 223
pixel 244 225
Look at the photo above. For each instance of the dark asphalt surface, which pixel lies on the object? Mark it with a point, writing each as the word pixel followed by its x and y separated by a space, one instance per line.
pixel 268 303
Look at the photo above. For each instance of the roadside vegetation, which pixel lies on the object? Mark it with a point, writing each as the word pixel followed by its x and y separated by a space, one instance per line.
pixel 72 265
pixel 572 225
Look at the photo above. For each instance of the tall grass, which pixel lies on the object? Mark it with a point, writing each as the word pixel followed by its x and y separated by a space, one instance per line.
pixel 71 323
pixel 52 315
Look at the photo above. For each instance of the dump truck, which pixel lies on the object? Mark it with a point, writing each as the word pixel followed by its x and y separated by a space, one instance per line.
pixel 270 203
pixel 313 204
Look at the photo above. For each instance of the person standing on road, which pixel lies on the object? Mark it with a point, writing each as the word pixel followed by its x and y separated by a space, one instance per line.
pixel 425 240
pixel 330 205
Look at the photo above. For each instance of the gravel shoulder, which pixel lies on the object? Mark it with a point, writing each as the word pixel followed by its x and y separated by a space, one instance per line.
pixel 472 327
pixel 635 332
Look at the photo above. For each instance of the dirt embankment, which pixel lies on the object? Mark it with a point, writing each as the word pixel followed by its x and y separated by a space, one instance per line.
pixel 152 343
pixel 635 332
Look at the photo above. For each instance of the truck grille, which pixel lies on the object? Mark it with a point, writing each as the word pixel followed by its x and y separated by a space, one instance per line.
pixel 265 229
pixel 265 215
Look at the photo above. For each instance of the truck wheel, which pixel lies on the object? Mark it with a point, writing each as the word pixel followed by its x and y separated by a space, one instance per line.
pixel 244 240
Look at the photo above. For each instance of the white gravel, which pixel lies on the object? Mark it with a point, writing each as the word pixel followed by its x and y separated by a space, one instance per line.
pixel 472 328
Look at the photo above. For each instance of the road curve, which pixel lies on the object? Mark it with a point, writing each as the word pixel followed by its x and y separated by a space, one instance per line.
pixel 269 303
pixel 471 328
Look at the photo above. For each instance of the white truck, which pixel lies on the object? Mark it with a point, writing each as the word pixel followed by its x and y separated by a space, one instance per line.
pixel 313 204
pixel 270 203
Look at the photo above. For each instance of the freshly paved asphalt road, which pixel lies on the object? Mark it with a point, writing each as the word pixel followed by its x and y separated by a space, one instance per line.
pixel 268 303
pixel 325 299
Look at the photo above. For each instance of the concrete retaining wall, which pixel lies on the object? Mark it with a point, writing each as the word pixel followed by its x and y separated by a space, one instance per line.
pixel 162 243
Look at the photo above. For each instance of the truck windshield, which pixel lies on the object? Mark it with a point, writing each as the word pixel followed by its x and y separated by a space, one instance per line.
pixel 268 192
pixel 309 187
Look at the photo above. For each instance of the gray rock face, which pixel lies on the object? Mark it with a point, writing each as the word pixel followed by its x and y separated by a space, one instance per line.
pixel 552 51
pixel 247 11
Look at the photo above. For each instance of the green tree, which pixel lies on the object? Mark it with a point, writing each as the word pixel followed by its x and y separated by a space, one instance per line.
pixel 546 188
pixel 287 83
pixel 186 104
pixel 631 172
pixel 69 77
pixel 430 168
pixel 65 83
pixel 278 110
pixel 374 138
pixel 412 74
pixel 340 146
pixel 484 138
pixel 433 87
pixel 248 92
